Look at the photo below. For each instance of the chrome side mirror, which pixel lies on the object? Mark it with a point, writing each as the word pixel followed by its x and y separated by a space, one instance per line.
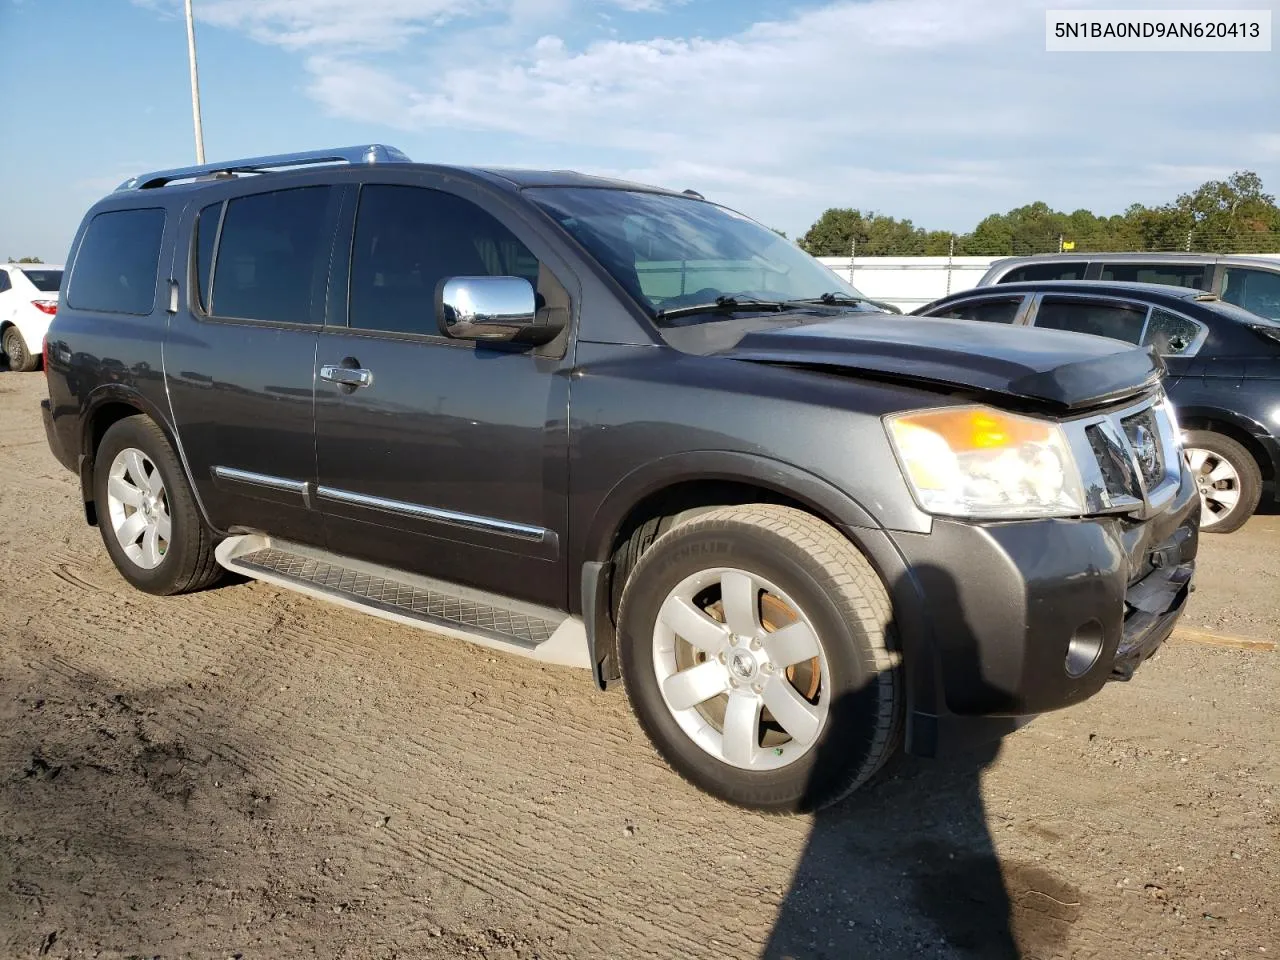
pixel 490 308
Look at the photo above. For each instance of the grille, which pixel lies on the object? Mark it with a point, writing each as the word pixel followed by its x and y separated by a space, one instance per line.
pixel 1143 434
pixel 1114 462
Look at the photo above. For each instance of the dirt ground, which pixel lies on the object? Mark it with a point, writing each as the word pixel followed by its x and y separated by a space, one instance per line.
pixel 249 773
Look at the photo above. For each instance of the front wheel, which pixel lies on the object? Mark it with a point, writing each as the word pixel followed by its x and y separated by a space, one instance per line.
pixel 1227 478
pixel 757 653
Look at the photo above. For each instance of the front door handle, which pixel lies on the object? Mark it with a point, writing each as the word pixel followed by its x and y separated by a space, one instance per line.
pixel 346 376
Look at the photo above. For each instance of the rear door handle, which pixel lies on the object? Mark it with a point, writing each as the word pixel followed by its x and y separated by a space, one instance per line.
pixel 347 376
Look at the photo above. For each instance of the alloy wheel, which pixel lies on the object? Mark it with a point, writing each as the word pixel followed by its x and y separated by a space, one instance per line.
pixel 138 508
pixel 741 668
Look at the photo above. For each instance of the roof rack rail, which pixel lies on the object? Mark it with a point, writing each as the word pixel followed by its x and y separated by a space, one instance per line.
pixel 367 153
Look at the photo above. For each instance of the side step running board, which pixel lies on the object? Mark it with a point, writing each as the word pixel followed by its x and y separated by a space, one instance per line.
pixel 501 623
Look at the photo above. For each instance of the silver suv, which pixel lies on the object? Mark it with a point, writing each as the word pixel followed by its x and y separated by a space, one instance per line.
pixel 1249 282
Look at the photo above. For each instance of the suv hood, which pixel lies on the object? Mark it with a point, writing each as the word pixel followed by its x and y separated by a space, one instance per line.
pixel 1069 370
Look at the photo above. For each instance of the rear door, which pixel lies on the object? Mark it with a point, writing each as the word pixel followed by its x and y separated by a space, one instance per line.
pixel 240 362
pixel 451 457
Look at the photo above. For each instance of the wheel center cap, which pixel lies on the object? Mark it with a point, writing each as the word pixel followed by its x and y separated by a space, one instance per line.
pixel 742 665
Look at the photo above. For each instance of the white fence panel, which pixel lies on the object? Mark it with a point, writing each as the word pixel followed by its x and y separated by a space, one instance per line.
pixel 910 282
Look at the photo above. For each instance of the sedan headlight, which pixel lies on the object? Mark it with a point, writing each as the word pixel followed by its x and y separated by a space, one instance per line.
pixel 984 463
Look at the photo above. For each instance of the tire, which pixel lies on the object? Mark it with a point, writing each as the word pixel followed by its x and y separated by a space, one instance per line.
pixel 1214 455
pixel 800 568
pixel 21 360
pixel 137 451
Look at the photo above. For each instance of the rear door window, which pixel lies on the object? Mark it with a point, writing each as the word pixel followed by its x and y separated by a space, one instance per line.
pixel 1073 270
pixel 46 281
pixel 1172 335
pixel 1194 275
pixel 1257 291
pixel 5 285
pixel 273 256
pixel 1004 310
pixel 1101 318
pixel 115 270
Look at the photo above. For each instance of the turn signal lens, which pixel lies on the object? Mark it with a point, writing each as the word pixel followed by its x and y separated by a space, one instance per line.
pixel 981 462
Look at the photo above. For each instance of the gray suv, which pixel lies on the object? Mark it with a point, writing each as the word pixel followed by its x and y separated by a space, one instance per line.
pixel 1249 282
pixel 610 426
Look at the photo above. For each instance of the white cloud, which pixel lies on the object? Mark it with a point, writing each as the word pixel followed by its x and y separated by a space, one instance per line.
pixel 937 109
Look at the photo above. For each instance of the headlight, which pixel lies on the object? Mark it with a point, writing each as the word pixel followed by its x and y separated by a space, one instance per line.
pixel 981 462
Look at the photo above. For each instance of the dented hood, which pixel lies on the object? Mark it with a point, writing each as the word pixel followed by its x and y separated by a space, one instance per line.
pixel 1068 370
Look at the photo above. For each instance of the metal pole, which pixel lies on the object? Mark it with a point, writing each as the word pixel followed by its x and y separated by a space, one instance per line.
pixel 195 85
pixel 853 252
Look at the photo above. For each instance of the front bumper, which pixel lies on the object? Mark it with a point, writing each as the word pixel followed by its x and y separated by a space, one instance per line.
pixel 1022 617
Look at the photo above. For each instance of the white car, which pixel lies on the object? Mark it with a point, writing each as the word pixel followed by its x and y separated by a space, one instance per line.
pixel 28 302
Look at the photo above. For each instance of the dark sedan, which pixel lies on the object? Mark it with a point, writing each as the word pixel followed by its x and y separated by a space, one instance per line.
pixel 1224 370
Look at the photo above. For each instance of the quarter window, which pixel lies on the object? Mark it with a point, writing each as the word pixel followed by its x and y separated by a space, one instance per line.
pixel 115 270
pixel 408 240
pixel 4 281
pixel 273 257
pixel 1117 321
pixel 1257 291
pixel 1170 334
pixel 988 311
pixel 206 236
pixel 1194 275
pixel 1073 270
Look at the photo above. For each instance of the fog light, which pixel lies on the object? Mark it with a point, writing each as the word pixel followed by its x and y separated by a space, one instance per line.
pixel 1084 649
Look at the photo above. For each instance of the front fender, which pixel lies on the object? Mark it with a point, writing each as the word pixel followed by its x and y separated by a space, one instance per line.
pixel 784 479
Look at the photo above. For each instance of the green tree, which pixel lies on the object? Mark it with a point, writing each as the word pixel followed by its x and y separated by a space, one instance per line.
pixel 26 260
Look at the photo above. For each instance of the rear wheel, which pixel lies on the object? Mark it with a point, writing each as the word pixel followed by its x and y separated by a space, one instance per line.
pixel 755 649
pixel 1227 478
pixel 147 514
pixel 21 360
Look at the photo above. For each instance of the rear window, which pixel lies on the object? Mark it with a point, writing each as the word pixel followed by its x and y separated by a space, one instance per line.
pixel 1047 271
pixel 273 255
pixel 46 281
pixel 1194 275
pixel 115 270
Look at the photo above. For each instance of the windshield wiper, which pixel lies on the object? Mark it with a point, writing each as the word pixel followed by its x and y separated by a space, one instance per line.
pixel 832 300
pixel 724 304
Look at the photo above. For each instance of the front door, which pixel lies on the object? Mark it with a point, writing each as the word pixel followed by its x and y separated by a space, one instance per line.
pixel 442 457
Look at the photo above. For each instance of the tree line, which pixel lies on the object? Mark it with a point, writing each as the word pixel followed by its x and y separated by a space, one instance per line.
pixel 1221 216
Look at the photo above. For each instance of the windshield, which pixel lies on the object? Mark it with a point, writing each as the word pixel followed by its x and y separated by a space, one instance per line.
pixel 672 252
pixel 46 281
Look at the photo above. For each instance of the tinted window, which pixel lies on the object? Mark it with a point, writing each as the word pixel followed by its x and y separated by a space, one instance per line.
pixel 1073 270
pixel 273 257
pixel 988 311
pixel 1258 291
pixel 1100 319
pixel 206 234
pixel 1171 274
pixel 4 281
pixel 115 270
pixel 46 281
pixel 407 240
pixel 1170 334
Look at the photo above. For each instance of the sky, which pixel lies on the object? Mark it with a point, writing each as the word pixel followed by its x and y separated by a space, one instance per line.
pixel 941 111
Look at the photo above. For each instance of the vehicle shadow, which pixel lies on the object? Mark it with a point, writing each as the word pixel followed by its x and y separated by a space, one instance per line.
pixel 907 867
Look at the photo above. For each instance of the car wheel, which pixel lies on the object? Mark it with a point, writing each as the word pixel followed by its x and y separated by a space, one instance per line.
pixel 1227 477
pixel 756 649
pixel 147 514
pixel 21 360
